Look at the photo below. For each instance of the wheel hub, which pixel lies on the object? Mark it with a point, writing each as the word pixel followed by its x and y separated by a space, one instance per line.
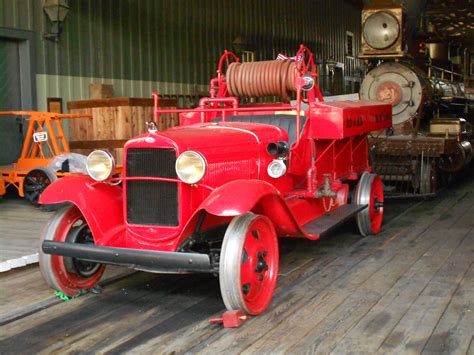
pixel 81 235
pixel 246 289
pixel 377 205
pixel 36 184
pixel 261 263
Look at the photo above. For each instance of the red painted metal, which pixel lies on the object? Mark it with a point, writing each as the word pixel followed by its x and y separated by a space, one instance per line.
pixel 375 211
pixel 100 204
pixel 231 319
pixel 328 151
pixel 335 133
pixel 259 267
pixel 343 119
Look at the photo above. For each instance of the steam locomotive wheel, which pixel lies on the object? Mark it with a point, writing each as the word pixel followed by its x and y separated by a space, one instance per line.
pixel 36 181
pixel 66 274
pixel 248 267
pixel 426 178
pixel 369 191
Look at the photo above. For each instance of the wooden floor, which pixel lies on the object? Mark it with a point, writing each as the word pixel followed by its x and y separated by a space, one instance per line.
pixel 408 290
pixel 20 227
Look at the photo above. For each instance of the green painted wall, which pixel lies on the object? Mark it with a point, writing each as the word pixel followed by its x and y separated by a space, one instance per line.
pixel 174 41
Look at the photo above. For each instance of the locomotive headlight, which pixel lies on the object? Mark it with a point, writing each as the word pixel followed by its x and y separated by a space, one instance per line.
pixel 276 168
pixel 100 165
pixel 191 167
pixel 381 30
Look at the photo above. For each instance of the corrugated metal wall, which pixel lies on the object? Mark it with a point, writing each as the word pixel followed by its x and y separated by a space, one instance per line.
pixel 173 45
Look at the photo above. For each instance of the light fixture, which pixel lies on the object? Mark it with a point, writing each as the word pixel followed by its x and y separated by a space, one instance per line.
pixel 239 44
pixel 191 167
pixel 332 64
pixel 57 11
pixel 277 168
pixel 100 165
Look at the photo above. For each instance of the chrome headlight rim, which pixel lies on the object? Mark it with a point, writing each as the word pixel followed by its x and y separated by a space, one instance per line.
pixel 391 26
pixel 280 164
pixel 109 158
pixel 197 155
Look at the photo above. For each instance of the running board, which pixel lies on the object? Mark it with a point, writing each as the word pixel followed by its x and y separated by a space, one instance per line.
pixel 331 219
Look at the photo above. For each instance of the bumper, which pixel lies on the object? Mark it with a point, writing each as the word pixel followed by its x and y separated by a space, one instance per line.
pixel 146 260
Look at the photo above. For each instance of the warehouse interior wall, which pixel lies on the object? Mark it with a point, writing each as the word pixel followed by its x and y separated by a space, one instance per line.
pixel 17 88
pixel 172 46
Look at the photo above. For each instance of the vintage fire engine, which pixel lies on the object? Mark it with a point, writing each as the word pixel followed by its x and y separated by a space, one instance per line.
pixel 214 194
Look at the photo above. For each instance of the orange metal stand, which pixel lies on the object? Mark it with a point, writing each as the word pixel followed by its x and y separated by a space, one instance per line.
pixel 44 140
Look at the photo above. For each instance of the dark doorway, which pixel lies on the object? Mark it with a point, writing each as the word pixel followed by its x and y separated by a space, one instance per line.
pixel 11 136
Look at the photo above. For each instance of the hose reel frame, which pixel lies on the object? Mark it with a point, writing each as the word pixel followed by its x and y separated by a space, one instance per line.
pixel 272 75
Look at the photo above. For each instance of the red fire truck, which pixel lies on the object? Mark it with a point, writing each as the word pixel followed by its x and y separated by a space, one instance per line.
pixel 214 194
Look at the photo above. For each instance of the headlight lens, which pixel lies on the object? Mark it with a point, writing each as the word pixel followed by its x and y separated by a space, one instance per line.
pixel 381 30
pixel 190 167
pixel 100 165
pixel 276 168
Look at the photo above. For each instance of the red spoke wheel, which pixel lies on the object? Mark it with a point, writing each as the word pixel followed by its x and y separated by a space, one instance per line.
pixel 369 191
pixel 66 274
pixel 36 181
pixel 248 268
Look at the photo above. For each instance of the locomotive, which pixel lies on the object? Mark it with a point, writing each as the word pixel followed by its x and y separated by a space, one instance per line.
pixel 213 194
pixel 431 136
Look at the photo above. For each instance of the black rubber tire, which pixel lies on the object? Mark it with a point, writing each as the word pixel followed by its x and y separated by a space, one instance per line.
pixel 36 181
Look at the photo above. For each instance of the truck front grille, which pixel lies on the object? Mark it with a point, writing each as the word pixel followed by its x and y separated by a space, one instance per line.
pixel 152 202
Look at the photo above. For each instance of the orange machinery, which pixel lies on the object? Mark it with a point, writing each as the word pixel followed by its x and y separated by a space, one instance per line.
pixel 44 140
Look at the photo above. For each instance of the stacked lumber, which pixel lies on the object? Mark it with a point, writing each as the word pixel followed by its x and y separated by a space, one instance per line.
pixel 115 120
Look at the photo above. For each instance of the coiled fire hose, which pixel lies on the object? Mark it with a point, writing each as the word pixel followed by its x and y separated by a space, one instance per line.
pixel 258 79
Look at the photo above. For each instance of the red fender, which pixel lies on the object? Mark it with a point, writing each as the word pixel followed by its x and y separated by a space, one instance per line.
pixel 100 204
pixel 238 197
pixel 241 196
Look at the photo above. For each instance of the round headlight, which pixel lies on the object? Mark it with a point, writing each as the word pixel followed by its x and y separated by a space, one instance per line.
pixel 190 167
pixel 100 165
pixel 381 30
pixel 276 168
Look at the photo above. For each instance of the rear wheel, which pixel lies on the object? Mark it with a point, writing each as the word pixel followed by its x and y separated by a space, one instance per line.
pixel 369 191
pixel 248 268
pixel 66 274
pixel 36 181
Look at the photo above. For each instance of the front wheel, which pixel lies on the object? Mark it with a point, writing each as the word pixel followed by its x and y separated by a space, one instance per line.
pixel 369 191
pixel 66 274
pixel 248 268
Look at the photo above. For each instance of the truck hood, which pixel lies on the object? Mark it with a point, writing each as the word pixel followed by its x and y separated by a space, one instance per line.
pixel 232 150
pixel 222 134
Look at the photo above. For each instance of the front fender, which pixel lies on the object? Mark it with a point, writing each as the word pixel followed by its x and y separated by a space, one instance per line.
pixel 99 203
pixel 241 196
pixel 238 197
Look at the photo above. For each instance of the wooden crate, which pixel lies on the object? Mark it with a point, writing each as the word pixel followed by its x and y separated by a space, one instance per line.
pixel 101 91
pixel 114 121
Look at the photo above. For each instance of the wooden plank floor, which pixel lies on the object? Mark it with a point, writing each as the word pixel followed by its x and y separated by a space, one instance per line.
pixel 20 227
pixel 408 290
